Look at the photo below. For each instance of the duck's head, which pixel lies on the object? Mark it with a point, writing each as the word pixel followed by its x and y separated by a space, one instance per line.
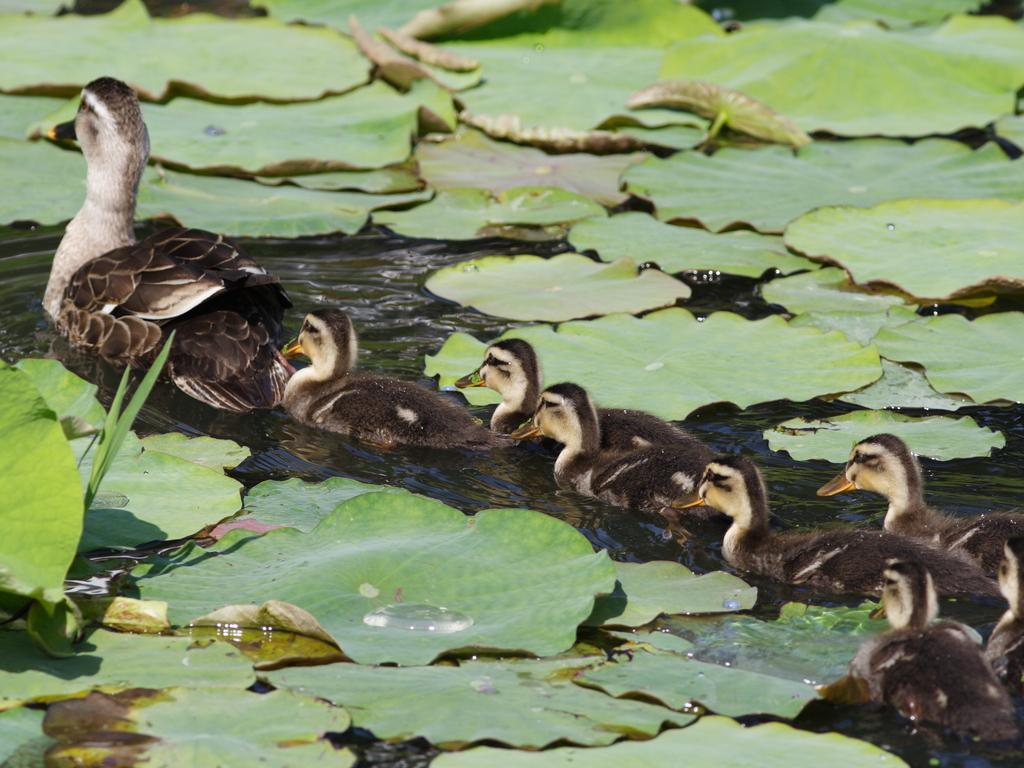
pixel 733 486
pixel 883 464
pixel 511 369
pixel 329 341
pixel 908 595
pixel 566 413
pixel 1010 574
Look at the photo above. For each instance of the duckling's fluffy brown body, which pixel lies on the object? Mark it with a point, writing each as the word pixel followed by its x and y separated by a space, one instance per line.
pixel 1005 647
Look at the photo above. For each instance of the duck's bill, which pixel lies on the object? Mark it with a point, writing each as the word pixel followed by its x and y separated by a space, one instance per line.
pixel 837 484
pixel 62 131
pixel 292 350
pixel 528 431
pixel 878 613
pixel 689 500
pixel 473 380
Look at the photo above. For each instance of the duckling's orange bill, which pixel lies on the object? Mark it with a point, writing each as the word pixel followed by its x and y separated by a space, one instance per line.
pixel 472 380
pixel 689 500
pixel 836 485
pixel 293 350
pixel 524 432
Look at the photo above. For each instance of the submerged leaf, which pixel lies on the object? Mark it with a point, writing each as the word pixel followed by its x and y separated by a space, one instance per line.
pixel 903 386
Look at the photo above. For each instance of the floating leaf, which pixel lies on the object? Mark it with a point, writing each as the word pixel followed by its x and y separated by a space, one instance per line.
pixel 65 393
pixel 18 112
pixel 379 182
pixel 335 13
pixel 21 733
pixel 827 290
pixel 645 591
pixel 209 452
pixel 683 249
pixel 273 614
pixel 672 136
pixel 464 214
pixel 938 437
pixel 385 549
pixel 523 703
pixel 983 359
pixel 427 53
pixel 43 183
pixel 560 288
pixel 861 327
pixel 826 77
pixel 893 15
pixel 938 250
pixel 298 504
pixel 670 364
pixel 474 160
pixel 1012 129
pixel 903 387
pixel 767 188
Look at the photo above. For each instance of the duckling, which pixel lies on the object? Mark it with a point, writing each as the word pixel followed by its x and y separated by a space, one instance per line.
pixel 648 478
pixel 1005 648
pixel 511 369
pixel 931 671
pixel 376 409
pixel 885 465
pixel 836 560
pixel 121 299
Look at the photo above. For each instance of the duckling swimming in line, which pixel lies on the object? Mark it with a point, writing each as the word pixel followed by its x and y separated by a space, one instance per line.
pixel 835 560
pixel 1005 647
pixel 885 465
pixel 376 409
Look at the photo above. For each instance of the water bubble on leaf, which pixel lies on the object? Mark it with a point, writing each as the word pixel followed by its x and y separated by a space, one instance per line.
pixel 109 500
pixel 731 605
pixel 213 130
pixel 418 617
pixel 538 48
pixel 368 590
pixel 890 227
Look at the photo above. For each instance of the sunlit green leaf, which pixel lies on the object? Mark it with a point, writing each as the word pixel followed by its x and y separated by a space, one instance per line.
pixel 209 452
pixel 379 182
pixel 44 184
pixel 335 13
pixel 1011 128
pixel 894 15
pixel 65 393
pixel 827 290
pixel 18 112
pixel 861 327
pixel 903 386
pixel 21 735
pixel 302 505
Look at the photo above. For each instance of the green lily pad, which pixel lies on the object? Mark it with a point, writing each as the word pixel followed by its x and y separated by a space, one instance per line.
pixel 826 290
pixel 197 55
pixel 1012 129
pixel 148 495
pixel 681 683
pixel 21 736
pixel 209 452
pixel 903 386
pixel 298 504
pixel 769 187
pixel 939 250
pixel 563 287
pixel 474 160
pixel 983 359
pixel 464 214
pixel 682 249
pixel 672 136
pixel 65 393
pixel 717 741
pixel 378 182
pixel 861 327
pixel 523 703
pixel 244 208
pixel 645 591
pixel 44 183
pixel 114 661
pixel 18 112
pixel 938 437
pixel 826 77
pixel 663 641
pixel 670 364
pixel 526 580
pixel 893 15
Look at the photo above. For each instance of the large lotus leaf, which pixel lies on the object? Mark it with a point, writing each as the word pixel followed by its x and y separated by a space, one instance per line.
pixel 209 452
pixel 245 208
pixel 1011 128
pixel 464 214
pixel 112 661
pixel 335 13
pixel 826 290
pixel 17 112
pixel 523 703
pixel 198 54
pixel 682 683
pixel 211 727
pixel 474 160
pixel 861 327
pixel 41 182
pixel 525 579
pixel 152 496
pixel 670 364
pixel 41 514
pixel 41 7
pixel 769 187
pixel 900 14
pixel 645 591
pixel 672 136
pixel 65 393
pixel 298 504
pixel 902 386
pixel 934 249
pixel 563 287
pixel 21 734
pixel 379 182
pixel 711 741
pixel 682 249
pixel 826 77
pixel 938 437
pixel 983 359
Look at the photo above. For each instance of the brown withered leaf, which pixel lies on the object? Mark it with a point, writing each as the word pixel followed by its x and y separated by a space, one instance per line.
pixel 427 53
pixel 396 68
pixel 557 139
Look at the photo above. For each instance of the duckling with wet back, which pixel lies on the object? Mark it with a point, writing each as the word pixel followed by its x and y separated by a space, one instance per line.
pixel 835 560
pixel 884 464
pixel 1005 647
pixel 376 409
pixel 121 299
pixel 932 672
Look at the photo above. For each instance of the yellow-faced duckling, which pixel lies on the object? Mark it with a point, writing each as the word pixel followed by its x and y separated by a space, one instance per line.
pixel 834 560
pixel 932 672
pixel 511 369
pixel 121 299
pixel 885 465
pixel 1005 648
pixel 647 478
pixel 376 409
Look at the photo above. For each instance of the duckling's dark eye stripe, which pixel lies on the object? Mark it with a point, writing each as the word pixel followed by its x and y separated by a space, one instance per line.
pixel 492 360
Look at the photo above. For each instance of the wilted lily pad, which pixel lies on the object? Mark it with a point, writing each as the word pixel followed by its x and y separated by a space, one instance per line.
pixel 298 504
pixel 523 703
pixel 682 249
pixel 769 187
pixel 670 364
pixel 903 386
pixel 563 287
pixel 983 359
pixel 938 437
pixel 938 250
pixel 464 214
pixel 826 290
pixel 645 591
pixel 523 579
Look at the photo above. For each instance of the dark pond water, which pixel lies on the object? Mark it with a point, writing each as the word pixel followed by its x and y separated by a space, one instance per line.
pixel 378 279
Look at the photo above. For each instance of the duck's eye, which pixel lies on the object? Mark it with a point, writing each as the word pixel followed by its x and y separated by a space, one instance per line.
pixel 1003 570
pixel 492 360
